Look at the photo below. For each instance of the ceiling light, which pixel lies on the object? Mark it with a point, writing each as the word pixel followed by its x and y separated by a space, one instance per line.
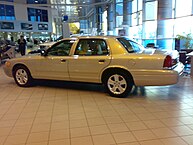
pixel 36 1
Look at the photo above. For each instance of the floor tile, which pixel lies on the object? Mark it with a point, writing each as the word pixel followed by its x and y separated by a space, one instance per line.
pixel 188 139
pixel 106 139
pixel 59 134
pixel 170 122
pixel 96 121
pixel 163 132
pixel 79 132
pixel 118 127
pixel 78 123
pixel 20 130
pixel 173 141
pixel 132 143
pixel 113 119
pixel 82 141
pixel 152 142
pixel 101 129
pixel 38 137
pixel 5 131
pixel 154 124
pixel 182 130
pixel 24 122
pixel 124 137
pixel 129 118
pixel 136 125
pixel 16 139
pixel 144 135
pixel 58 118
pixel 186 120
pixel 39 143
pixel 41 127
pixel 60 142
pixel 60 125
pixel 2 139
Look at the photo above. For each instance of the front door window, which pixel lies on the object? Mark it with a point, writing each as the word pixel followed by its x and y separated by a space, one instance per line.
pixel 60 49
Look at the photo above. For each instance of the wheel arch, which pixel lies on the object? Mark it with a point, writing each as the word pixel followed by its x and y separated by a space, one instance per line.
pixel 20 64
pixel 111 69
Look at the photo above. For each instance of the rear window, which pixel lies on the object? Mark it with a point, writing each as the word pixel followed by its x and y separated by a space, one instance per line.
pixel 130 45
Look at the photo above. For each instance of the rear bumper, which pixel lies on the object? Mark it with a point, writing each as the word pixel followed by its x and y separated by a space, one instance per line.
pixel 158 77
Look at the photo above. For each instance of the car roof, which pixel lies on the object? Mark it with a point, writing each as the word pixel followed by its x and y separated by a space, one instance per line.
pixel 95 37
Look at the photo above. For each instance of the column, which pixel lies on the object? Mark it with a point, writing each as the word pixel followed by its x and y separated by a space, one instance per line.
pixel 164 13
pixel 65 30
pixel 127 9
pixel 110 18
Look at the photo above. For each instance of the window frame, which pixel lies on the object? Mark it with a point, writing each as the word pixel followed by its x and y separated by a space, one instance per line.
pixel 7 12
pixel 37 15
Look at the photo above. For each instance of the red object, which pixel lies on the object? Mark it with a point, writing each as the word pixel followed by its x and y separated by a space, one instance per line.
pixel 168 61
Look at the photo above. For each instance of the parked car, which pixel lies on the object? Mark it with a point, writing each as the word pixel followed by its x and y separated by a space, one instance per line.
pixel 116 62
pixel 42 46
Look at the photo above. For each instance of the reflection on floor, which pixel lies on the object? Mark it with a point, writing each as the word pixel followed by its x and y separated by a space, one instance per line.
pixel 58 113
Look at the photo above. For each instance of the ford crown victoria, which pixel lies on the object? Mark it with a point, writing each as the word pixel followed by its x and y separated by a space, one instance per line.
pixel 118 63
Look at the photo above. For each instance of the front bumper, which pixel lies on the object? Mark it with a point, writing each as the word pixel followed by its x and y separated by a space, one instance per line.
pixel 8 71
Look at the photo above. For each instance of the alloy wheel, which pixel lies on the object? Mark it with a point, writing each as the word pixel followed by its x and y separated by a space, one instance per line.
pixel 21 76
pixel 117 84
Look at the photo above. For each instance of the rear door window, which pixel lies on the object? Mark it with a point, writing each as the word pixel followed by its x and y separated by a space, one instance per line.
pixel 91 47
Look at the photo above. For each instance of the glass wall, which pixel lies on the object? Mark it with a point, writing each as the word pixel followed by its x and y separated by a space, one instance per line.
pixel 37 15
pixel 7 12
pixel 183 8
pixel 151 21
pixel 119 13
pixel 135 12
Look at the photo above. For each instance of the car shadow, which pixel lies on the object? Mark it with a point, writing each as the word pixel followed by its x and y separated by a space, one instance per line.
pixel 70 85
pixel 137 91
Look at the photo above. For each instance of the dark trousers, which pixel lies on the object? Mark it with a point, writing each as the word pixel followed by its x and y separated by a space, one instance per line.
pixel 22 50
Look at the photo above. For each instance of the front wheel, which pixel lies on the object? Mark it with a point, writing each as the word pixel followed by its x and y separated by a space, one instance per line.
pixel 118 84
pixel 22 76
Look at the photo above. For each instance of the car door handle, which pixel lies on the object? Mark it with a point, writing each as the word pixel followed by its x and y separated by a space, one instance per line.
pixel 63 60
pixel 101 60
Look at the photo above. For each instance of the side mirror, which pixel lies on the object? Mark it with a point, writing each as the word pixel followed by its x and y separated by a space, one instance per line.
pixel 43 53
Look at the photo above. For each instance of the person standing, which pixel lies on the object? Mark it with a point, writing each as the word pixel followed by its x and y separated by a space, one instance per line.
pixel 22 45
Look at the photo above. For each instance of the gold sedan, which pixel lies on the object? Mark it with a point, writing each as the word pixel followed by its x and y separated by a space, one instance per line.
pixel 117 62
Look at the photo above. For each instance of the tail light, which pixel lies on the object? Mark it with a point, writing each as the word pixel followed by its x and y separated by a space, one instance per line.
pixel 168 62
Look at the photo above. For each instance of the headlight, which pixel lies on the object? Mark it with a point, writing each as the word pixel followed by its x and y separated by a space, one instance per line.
pixel 7 63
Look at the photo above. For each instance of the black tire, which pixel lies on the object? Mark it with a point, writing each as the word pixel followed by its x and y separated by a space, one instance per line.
pixel 22 76
pixel 118 84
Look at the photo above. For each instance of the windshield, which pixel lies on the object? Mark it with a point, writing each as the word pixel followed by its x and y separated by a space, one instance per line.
pixel 130 45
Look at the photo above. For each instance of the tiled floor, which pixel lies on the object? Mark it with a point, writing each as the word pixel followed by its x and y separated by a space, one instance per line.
pixel 56 113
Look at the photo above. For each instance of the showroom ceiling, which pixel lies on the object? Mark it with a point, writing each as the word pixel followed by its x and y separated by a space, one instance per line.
pixel 74 9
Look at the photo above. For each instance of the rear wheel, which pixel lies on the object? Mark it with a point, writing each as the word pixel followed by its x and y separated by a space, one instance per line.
pixel 22 76
pixel 118 84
